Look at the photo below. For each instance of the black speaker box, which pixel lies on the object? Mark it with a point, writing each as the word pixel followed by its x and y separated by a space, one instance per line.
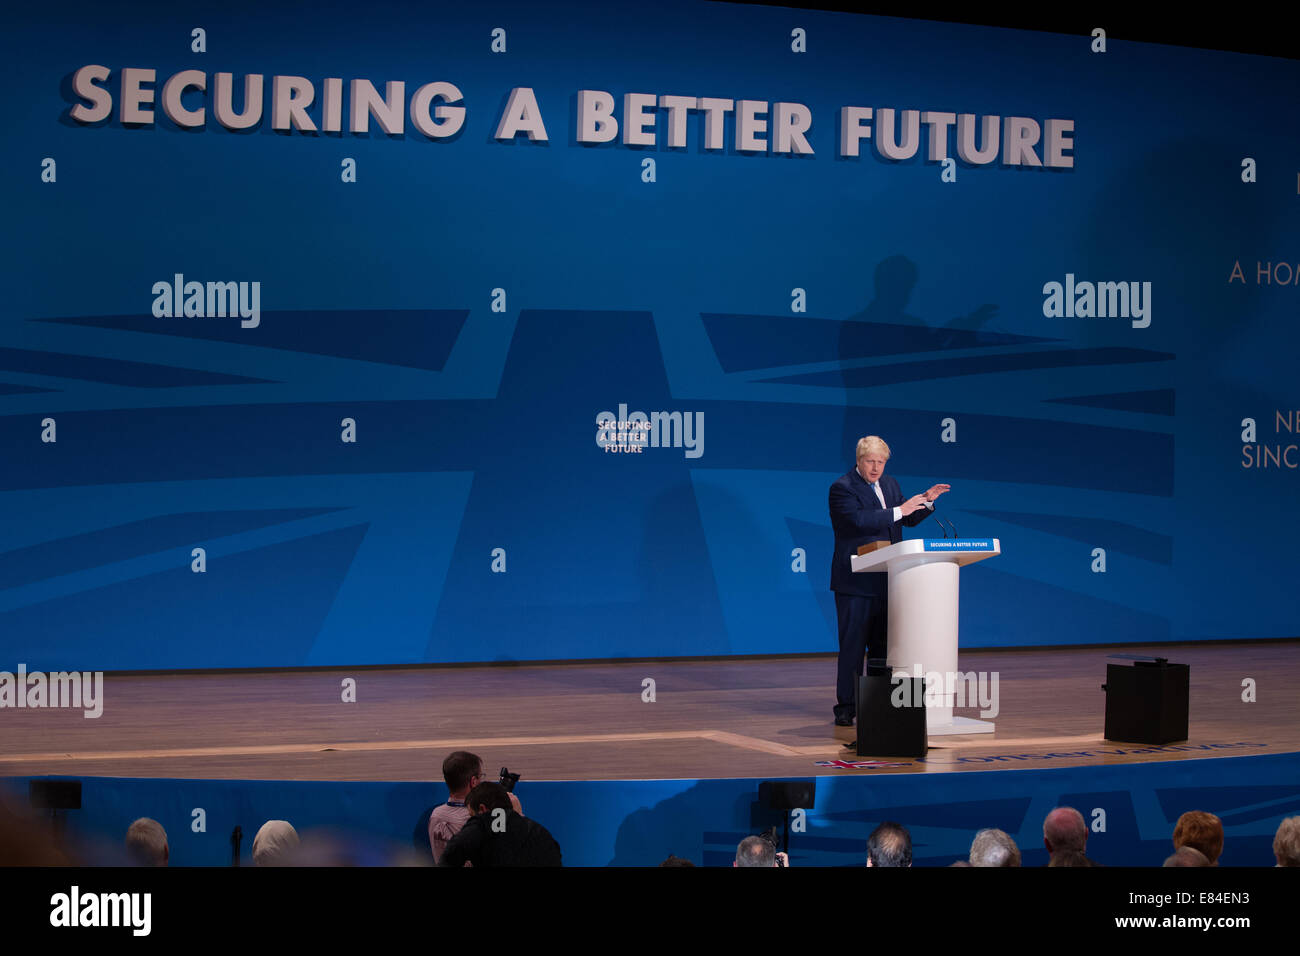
pixel 787 794
pixel 1146 702
pixel 54 794
pixel 886 730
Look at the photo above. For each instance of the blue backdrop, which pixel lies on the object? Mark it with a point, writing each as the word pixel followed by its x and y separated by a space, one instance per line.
pixel 472 304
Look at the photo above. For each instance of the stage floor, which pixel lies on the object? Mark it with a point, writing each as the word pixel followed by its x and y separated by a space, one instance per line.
pixel 768 717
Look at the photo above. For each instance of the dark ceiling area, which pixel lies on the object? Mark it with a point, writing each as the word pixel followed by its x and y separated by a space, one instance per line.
pixel 1241 29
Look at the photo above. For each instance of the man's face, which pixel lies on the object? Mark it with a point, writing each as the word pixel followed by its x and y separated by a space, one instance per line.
pixel 872 465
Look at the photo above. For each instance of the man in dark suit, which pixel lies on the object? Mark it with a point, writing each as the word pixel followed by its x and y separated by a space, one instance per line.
pixel 866 505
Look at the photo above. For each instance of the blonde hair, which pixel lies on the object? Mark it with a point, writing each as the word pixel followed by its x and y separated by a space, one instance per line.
pixel 871 443
pixel 1286 842
pixel 274 842
pixel 146 842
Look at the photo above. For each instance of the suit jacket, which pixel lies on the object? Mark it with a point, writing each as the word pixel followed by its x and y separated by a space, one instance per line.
pixel 857 518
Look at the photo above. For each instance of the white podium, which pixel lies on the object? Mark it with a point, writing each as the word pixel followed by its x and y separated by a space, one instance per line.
pixel 923 590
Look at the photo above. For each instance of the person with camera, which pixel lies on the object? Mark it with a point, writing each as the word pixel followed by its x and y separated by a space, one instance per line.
pixel 759 851
pixel 462 771
pixel 497 835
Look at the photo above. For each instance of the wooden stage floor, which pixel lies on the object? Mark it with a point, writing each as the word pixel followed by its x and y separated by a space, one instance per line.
pixel 768 717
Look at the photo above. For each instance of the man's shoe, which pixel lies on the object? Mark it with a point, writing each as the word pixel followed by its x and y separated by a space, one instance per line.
pixel 841 721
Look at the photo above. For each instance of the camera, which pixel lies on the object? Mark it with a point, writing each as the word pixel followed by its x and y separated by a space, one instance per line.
pixel 769 835
pixel 508 779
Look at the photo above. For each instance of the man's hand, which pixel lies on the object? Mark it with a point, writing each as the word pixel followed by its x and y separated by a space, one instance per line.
pixel 914 502
pixel 935 491
pixel 784 860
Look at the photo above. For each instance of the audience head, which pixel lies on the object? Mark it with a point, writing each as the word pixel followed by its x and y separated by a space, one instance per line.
pixel 1065 829
pixel 755 851
pixel 276 840
pixel 146 843
pixel 676 861
pixel 1186 856
pixel 487 797
pixel 1286 842
pixel 994 848
pixel 462 769
pixel 889 845
pixel 1201 830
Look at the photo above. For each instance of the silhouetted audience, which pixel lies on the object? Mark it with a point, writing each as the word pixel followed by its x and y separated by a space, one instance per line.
pixel 1286 842
pixel 494 833
pixel 1201 830
pixel 889 845
pixel 994 848
pixel 497 835
pixel 26 840
pixel 146 843
pixel 274 843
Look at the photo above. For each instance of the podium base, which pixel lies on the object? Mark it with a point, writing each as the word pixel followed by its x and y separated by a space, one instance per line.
pixel 959 725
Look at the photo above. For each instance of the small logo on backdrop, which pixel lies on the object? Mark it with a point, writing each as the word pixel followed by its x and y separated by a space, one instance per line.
pixel 1283 452
pixel 858 764
pixel 1266 273
pixel 208 300
pixel 634 432
pixel 83 689
pixel 1098 300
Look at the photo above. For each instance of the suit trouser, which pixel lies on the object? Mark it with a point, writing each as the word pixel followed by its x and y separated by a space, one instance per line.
pixel 864 632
